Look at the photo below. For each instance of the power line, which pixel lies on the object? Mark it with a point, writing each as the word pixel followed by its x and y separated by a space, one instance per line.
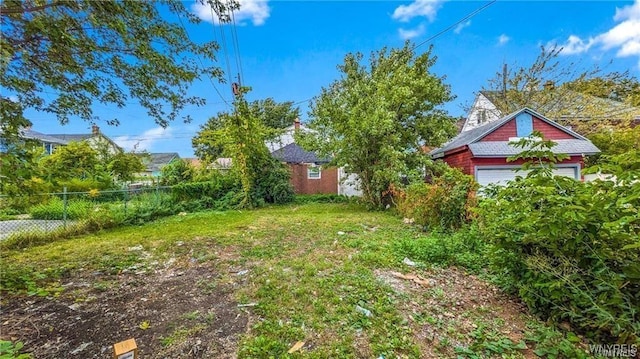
pixel 234 36
pixel 202 63
pixel 469 16
pixel 223 42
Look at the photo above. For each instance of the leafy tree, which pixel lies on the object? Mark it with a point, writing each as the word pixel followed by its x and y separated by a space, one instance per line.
pixel 564 93
pixel 241 136
pixel 176 172
pixel 21 176
pixel 124 166
pixel 617 86
pixel 81 52
pixel 273 115
pixel 75 160
pixel 376 118
pixel 613 143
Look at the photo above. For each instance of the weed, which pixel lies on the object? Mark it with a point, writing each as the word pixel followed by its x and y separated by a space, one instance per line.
pixel 11 350
pixel 487 342
pixel 180 335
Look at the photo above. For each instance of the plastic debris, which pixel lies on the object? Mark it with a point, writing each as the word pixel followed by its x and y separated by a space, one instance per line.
pixel 409 262
pixel 365 311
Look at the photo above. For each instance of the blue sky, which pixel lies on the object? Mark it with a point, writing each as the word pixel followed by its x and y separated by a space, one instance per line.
pixel 289 50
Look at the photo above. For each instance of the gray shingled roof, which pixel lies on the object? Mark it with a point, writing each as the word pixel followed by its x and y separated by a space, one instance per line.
pixel 155 161
pixel 72 137
pixel 474 135
pixel 503 148
pixel 34 135
pixel 292 153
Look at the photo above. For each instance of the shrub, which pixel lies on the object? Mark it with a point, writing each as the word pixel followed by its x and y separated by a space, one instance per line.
pixel 444 203
pixel 569 249
pixel 272 184
pixel 54 209
pixel 150 206
pixel 219 192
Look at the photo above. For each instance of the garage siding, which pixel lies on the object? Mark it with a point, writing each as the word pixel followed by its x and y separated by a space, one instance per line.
pixel 501 176
pixel 508 130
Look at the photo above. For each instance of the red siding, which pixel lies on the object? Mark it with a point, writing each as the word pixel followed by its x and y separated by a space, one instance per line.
pixel 550 132
pixel 327 184
pixel 465 161
pixel 504 132
pixel 460 159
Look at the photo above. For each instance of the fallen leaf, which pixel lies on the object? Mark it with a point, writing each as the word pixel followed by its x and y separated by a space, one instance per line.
pixel 296 347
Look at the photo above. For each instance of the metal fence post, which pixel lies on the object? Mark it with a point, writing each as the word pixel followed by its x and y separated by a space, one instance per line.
pixel 126 200
pixel 64 207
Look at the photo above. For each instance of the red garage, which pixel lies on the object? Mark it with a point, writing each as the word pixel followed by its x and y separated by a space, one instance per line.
pixel 483 151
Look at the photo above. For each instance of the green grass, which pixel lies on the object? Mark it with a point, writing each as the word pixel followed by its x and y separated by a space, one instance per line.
pixel 308 267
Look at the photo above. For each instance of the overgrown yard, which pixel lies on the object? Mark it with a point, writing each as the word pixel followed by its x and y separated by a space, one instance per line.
pixel 252 284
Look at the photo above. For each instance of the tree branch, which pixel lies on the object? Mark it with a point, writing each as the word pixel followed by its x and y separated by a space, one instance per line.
pixel 21 10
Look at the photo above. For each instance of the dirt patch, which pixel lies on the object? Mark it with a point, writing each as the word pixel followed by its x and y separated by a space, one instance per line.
pixel 446 305
pixel 172 313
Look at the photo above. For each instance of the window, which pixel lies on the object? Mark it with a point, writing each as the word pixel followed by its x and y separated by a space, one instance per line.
pixel 313 172
pixel 524 125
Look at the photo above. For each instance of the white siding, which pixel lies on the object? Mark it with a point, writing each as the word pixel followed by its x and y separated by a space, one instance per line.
pixel 501 176
pixel 348 184
pixel 483 111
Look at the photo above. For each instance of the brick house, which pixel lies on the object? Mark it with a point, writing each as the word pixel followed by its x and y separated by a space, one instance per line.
pixel 482 151
pixel 308 176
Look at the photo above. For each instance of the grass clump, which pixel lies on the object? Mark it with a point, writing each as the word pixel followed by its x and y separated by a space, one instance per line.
pixel 463 248
pixel 55 209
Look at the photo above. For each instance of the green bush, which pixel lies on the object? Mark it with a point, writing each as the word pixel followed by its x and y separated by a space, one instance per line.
pixel 445 203
pixel 570 250
pixel 273 185
pixel 219 192
pixel 149 206
pixel 54 209
pixel 84 185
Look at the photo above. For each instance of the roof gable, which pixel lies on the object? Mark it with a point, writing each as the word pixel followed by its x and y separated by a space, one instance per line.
pixel 476 134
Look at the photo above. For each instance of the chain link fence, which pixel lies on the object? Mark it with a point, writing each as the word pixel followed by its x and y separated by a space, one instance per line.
pixel 57 213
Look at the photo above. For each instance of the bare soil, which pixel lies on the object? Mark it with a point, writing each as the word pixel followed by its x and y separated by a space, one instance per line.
pixel 171 313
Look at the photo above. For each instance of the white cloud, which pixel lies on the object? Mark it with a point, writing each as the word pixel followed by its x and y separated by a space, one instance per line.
pixel 144 141
pixel 411 33
pixel 461 26
pixel 503 39
pixel 426 8
pixel 255 10
pixel 623 37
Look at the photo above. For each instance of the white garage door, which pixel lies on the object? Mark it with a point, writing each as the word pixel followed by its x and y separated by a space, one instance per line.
pixel 485 176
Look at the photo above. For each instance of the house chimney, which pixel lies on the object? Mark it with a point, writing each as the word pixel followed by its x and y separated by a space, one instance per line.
pixel 296 123
pixel 95 130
